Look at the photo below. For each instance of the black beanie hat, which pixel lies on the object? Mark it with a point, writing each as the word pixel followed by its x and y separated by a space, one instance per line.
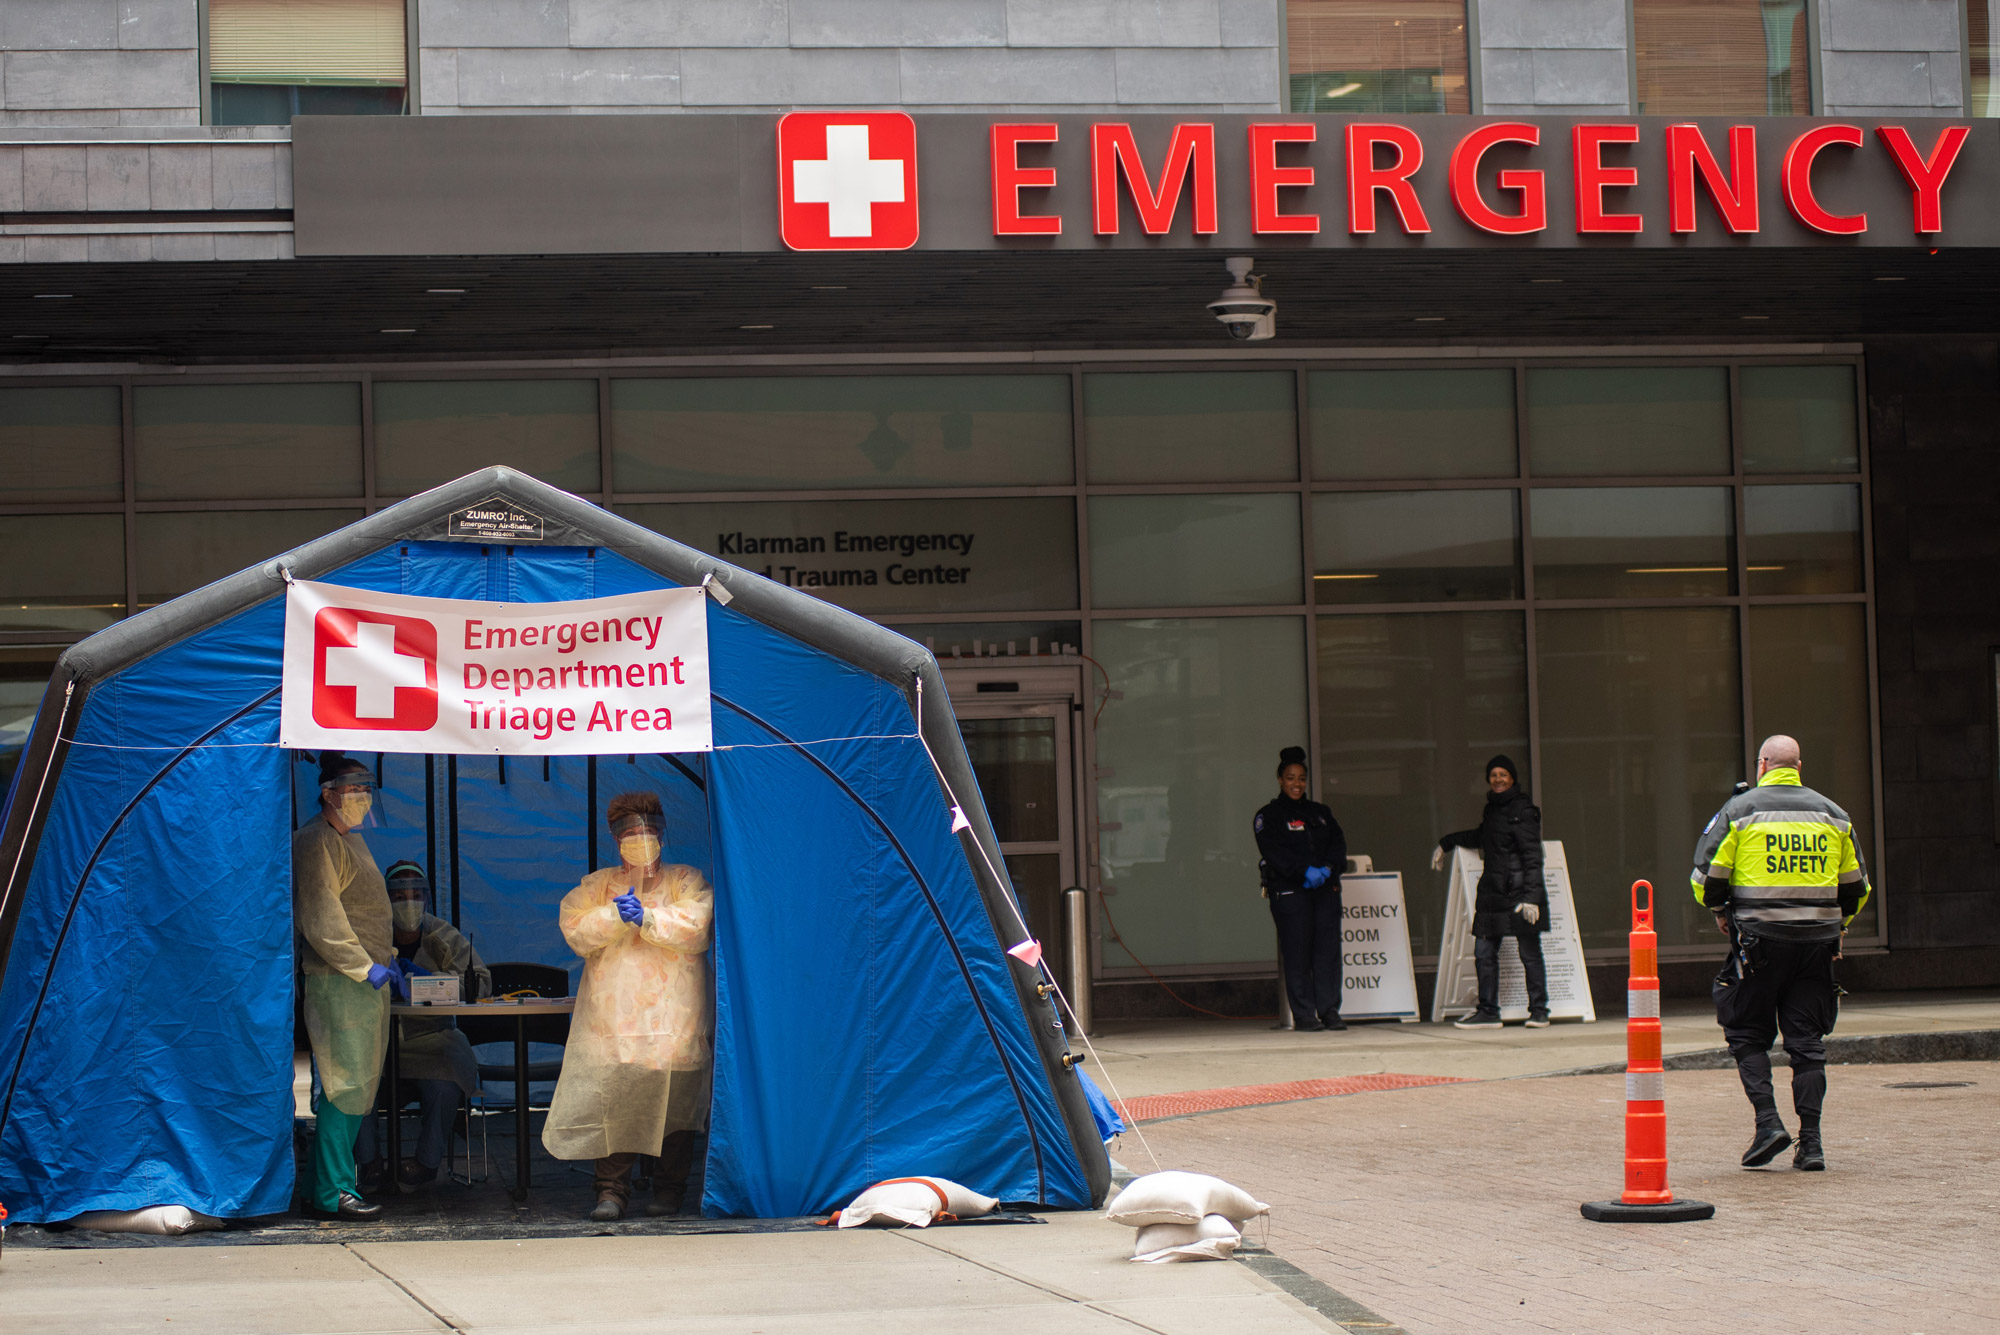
pixel 1502 762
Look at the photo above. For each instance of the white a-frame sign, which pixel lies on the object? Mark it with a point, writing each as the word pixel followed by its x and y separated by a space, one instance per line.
pixel 1562 948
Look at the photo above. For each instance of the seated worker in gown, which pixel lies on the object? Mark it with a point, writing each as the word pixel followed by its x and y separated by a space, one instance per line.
pixel 635 1074
pixel 435 1056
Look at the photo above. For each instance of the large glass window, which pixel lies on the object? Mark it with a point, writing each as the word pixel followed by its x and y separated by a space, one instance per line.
pixel 1642 739
pixel 231 442
pixel 1722 57
pixel 999 555
pixel 271 60
pixel 822 432
pixel 1194 551
pixel 1799 419
pixel 1809 680
pixel 1642 421
pixel 1409 425
pixel 1411 707
pixel 1355 56
pixel 61 445
pixel 182 550
pixel 61 573
pixel 1803 539
pixel 1201 426
pixel 1633 542
pixel 1415 546
pixel 1187 753
pixel 429 432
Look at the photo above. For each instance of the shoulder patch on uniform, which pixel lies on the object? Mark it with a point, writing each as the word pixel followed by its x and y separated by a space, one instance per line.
pixel 1711 822
pixel 1258 824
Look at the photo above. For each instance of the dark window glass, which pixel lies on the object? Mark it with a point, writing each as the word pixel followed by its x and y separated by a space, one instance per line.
pixel 1803 539
pixel 1722 57
pixel 61 445
pixel 1194 551
pixel 1642 739
pixel 1349 56
pixel 430 432
pixel 1799 419
pixel 1633 542
pixel 1192 426
pixel 1411 707
pixel 1396 425
pixel 1415 546
pixel 227 442
pixel 183 550
pixel 1628 421
pixel 61 572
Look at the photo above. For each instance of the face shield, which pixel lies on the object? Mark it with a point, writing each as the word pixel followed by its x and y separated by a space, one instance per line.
pixel 408 893
pixel 638 837
pixel 352 798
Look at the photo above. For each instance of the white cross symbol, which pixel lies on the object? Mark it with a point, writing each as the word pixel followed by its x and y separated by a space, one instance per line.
pixel 375 668
pixel 848 181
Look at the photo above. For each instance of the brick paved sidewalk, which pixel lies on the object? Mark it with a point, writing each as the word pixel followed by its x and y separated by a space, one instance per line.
pixel 1453 1208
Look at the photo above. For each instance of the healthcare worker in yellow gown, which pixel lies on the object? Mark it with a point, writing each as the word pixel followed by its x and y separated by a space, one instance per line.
pixel 635 1074
pixel 340 907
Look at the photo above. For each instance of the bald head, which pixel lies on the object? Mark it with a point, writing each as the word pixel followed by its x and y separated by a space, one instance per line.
pixel 1779 752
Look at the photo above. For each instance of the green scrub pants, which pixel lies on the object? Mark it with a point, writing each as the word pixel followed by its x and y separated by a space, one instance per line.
pixel 333 1155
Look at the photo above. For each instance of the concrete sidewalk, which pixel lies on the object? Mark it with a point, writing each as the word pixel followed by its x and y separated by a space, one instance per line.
pixel 1364 1206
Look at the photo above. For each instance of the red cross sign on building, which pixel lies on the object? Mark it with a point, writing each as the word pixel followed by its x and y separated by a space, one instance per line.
pixel 847 180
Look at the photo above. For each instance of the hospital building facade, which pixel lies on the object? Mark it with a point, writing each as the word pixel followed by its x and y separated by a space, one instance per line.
pixel 1634 393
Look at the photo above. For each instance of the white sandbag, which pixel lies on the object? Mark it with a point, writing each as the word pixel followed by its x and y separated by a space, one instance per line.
pixel 167 1220
pixel 1213 1239
pixel 1181 1198
pixel 916 1202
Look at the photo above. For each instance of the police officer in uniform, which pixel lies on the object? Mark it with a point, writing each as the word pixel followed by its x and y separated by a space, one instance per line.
pixel 1778 867
pixel 1301 853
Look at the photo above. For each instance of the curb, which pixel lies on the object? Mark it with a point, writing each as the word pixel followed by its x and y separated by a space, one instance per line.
pixel 1317 1294
pixel 1957 1045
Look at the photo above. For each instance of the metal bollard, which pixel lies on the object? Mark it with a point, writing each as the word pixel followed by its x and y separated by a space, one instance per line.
pixel 1076 907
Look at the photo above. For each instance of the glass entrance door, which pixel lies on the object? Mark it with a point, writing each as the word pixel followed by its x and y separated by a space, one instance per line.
pixel 1021 753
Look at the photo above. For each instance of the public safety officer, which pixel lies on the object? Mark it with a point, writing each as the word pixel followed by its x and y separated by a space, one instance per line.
pixel 1778 867
pixel 1301 853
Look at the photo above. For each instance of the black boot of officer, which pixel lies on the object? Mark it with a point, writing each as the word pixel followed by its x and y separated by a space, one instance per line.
pixel 1301 853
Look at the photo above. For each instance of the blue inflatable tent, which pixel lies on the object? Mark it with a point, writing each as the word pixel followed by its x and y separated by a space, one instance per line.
pixel 868 1021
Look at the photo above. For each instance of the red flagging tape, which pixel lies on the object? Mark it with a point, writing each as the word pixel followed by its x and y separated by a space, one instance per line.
pixel 1154 1106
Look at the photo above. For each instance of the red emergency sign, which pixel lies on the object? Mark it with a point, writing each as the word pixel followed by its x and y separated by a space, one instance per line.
pixel 847 180
pixel 374 670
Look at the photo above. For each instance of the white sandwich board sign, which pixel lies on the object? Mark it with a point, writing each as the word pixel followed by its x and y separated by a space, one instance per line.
pixel 1562 948
pixel 1378 975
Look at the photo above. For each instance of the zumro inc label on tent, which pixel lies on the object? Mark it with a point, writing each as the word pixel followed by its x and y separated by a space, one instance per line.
pixel 367 671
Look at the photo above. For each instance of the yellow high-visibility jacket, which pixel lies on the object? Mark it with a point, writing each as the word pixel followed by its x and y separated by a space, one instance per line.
pixel 1789 858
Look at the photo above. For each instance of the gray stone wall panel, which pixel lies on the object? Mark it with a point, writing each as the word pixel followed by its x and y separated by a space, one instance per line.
pixel 246 176
pixel 1877 78
pixel 1577 78
pixel 790 78
pixel 1008 78
pixel 1250 22
pixel 181 178
pixel 437 72
pixel 1889 25
pixel 13 250
pixel 677 23
pixel 1114 23
pixel 125 248
pixel 609 77
pixel 153 25
pixel 10 180
pixel 116 177
pixel 1552 24
pixel 52 180
pixel 57 249
pixel 184 247
pixel 876 23
pixel 58 25
pixel 1155 77
pixel 98 80
pixel 1507 77
pixel 494 23
pixel 514 77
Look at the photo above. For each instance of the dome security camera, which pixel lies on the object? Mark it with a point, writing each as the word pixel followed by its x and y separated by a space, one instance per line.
pixel 1244 310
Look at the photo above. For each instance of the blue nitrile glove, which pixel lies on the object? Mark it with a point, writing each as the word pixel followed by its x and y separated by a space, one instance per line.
pixel 411 969
pixel 630 909
pixel 1316 877
pixel 379 974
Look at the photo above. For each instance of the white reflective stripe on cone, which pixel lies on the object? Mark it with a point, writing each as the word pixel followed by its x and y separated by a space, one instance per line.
pixel 1642 1003
pixel 1645 1087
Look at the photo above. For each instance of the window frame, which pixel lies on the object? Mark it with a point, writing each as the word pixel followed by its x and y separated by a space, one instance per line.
pixel 412 62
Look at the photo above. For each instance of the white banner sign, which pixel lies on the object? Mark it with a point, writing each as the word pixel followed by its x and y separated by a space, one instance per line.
pixel 369 671
pixel 1379 979
pixel 1562 948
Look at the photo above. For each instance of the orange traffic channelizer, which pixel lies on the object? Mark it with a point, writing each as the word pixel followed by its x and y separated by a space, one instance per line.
pixel 1647 1198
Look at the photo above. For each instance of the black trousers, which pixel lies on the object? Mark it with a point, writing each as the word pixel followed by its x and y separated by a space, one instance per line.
pixel 1486 959
pixel 1309 943
pixel 1783 986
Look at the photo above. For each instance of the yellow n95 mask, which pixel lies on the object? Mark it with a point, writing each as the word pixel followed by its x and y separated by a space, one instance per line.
pixel 354 808
pixel 639 849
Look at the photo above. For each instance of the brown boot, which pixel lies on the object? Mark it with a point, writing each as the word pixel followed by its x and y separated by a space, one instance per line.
pixel 609 1207
pixel 613 1181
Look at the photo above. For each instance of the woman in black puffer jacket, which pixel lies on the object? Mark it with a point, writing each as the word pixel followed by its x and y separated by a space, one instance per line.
pixel 1513 899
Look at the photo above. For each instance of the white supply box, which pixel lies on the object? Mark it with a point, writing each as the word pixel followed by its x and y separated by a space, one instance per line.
pixel 437 989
